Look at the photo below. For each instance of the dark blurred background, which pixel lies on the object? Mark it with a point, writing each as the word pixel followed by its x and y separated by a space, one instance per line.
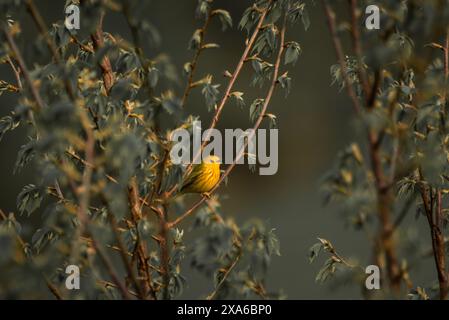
pixel 315 122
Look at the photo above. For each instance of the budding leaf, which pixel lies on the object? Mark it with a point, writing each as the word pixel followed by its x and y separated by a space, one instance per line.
pixel 292 52
pixel 29 199
pixel 210 93
pixel 7 124
pixel 285 82
pixel 195 40
pixel 238 96
pixel 225 18
pixel 255 109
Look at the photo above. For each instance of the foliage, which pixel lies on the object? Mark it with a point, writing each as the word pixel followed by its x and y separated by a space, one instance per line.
pixel 99 113
pixel 397 81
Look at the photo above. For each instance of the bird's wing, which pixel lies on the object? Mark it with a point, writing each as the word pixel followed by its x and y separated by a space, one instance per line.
pixel 192 178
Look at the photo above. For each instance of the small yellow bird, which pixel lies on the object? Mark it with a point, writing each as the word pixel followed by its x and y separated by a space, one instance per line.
pixel 203 177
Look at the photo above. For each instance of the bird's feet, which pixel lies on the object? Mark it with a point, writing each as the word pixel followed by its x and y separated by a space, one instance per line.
pixel 206 195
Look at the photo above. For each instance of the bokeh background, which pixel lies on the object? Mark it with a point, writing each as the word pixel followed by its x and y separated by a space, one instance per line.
pixel 315 122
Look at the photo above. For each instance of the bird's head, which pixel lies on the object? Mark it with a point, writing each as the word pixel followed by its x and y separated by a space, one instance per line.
pixel 212 160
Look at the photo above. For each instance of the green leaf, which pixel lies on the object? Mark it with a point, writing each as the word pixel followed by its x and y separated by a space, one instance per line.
pixel 25 155
pixel 210 93
pixel 42 237
pixel 11 223
pixel 225 18
pixel 29 199
pixel 418 294
pixel 249 18
pixel 273 120
pixel 202 9
pixel 238 97
pixel 298 11
pixel 170 103
pixel 211 46
pixel 187 68
pixel 314 251
pixel 153 76
pixel 266 42
pixel 273 244
pixel 255 109
pixel 285 82
pixel 292 52
pixel 326 271
pixel 195 40
pixel 305 19
pixel 7 124
pixel 262 71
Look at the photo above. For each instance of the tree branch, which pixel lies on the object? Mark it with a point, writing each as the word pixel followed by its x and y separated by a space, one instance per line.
pixel 196 56
pixel 357 46
pixel 258 122
pixel 331 21
pixel 105 63
pixel 383 189
pixel 218 111
pixel 438 243
pixel 17 55
pixel 141 250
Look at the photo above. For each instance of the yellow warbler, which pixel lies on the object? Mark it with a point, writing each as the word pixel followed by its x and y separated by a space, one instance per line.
pixel 204 176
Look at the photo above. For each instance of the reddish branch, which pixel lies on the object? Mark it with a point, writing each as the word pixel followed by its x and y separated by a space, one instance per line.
pixel 357 46
pixel 105 63
pixel 330 15
pixel 435 219
pixel 258 122
pixel 123 254
pixel 53 289
pixel 438 244
pixel 18 56
pixel 141 249
pixel 40 23
pixel 235 74
pixel 383 187
pixel 196 56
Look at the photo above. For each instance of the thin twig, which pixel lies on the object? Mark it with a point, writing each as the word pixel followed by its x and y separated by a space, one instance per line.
pixel 225 276
pixel 110 269
pixel 123 255
pixel 438 243
pixel 258 122
pixel 141 250
pixel 196 56
pixel 165 253
pixel 137 45
pixel 105 63
pixel 17 55
pixel 16 73
pixel 235 74
pixel 40 23
pixel 113 285
pixel 19 239
pixel 357 45
pixel 330 15
pixel 53 289
pixel 383 189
